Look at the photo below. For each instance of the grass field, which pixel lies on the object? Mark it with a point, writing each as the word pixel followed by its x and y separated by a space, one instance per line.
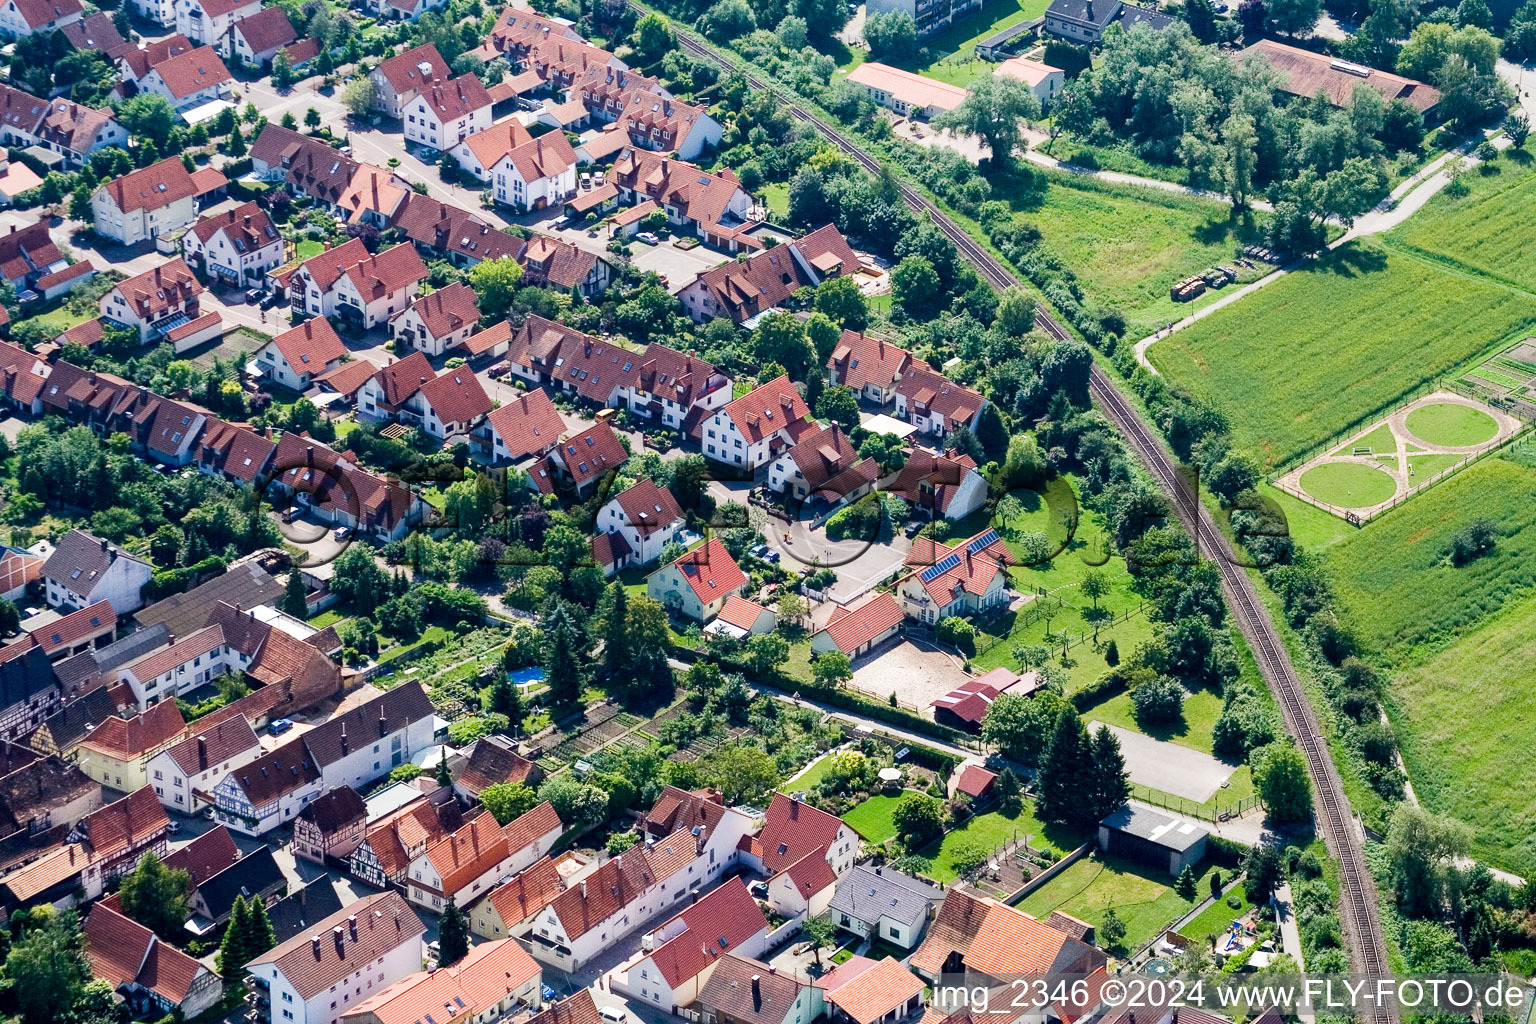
pixel 807 779
pixel 951 54
pixel 992 830
pixel 1378 441
pixel 1312 356
pixel 775 196
pixel 1398 589
pixel 1464 719
pixel 1201 709
pixel 1145 901
pixel 1218 917
pixel 1126 243
pixel 308 248
pixel 1451 425
pixel 1348 484
pixel 872 818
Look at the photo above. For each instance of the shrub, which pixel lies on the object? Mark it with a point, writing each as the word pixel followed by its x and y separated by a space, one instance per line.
pixel 1157 701
pixel 956 632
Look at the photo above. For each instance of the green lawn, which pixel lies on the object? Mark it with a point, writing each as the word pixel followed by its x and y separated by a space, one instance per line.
pixel 1127 244
pixel 992 830
pixel 329 617
pixel 872 818
pixel 1307 524
pixel 1201 709
pixel 308 248
pixel 950 56
pixel 1218 917
pixel 61 319
pixel 1348 484
pixel 775 196
pixel 1451 425
pixel 1144 900
pixel 807 779
pixel 1316 354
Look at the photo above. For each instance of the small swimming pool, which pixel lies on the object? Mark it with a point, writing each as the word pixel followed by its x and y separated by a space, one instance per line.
pixel 1157 965
pixel 526 676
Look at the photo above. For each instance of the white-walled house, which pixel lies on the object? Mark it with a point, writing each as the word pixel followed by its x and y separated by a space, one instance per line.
pixel 683 951
pixel 269 791
pixel 206 21
pixel 438 322
pixel 400 79
pixel 358 951
pixel 882 903
pixel 697 584
pixel 185 774
pixel 449 405
pixel 192 661
pixel 443 114
pixel 647 516
pixel 350 283
pixel 20 18
pixel 468 862
pixel 536 174
pixel 145 203
pixel 83 569
pixel 803 851
pixel 935 404
pixel 964 578
pixel 237 246
pixel 156 301
pixel 756 428
pixel 367 742
pixel 299 355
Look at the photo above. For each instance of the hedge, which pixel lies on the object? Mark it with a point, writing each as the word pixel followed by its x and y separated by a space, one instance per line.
pixel 1225 852
pixel 1110 684
pixel 173 581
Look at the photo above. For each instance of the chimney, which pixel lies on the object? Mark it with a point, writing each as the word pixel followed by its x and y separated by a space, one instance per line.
pixel 104 545
pixel 314 945
pixel 383 724
pixel 202 752
pixel 352 926
pixel 309 454
pixel 336 935
pixel 345 747
pixel 583 889
pixel 757 993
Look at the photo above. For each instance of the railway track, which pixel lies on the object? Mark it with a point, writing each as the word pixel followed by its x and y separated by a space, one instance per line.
pixel 1358 889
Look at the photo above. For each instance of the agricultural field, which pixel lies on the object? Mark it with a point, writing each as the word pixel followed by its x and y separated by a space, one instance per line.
pixel 1319 353
pixel 1144 900
pixel 1510 374
pixel 1128 244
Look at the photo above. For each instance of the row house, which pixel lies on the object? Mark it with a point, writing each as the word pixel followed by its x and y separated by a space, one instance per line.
pixel 205 22
pixel 187 81
pixel 869 366
pixel 666 125
pixel 536 174
pixel 711 206
pixel 237 246
pixel 445 112
pixel 145 203
pixel 83 570
pixel 22 379
pixel 754 430
pixel 393 841
pixel 966 578
pixel 398 81
pixel 371 740
pixel 644 518
pixel 306 165
pixel 746 289
pixel 467 863
pixel 331 827
pixel 155 302
pixel 184 775
pixel 297 356
pixel 504 910
pixel 59 125
pixel 658 383
pixel 936 405
pixel 191 662
pixel 448 406
pixel 494 980
pixel 550 262
pixel 316 976
pixel 154 977
pixel 697 584
pixel 529 425
pixel 583 461
pixel 447 232
pixel 823 467
pixel 350 283
pixel 333 487
pixel 74 633
pixel 234 453
pixel 269 791
pixel 29 691
pixel 518 29
pixel 438 322
pixel 99 848
pixel 117 752
pixel 803 851
pixel 61 732
pixel 29 261
pixel 679 955
pixel 19 18
pixel 940 486
pixel 385 393
pixel 256 39
pixel 476 154
pixel 746 991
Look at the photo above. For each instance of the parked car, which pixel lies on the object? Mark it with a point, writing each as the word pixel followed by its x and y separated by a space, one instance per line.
pixel 912 529
pixel 648 237
pixel 764 552
pixel 586 180
pixel 291 513
pixel 279 726
pixel 208 813
pixel 269 302
pixel 254 295
pixel 499 370
pixel 612 1014
pixel 341 532
pixel 173 827
pixel 428 153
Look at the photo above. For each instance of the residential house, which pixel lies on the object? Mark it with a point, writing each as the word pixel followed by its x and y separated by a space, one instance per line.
pixel 405 10
pixel 90 669
pixel 869 365
pixel 479 152
pixel 346 380
pixel 64 636
pixel 270 791
pixel 745 991
pixel 256 39
pixel 586 459
pixel 393 840
pixel 882 903
pixel 332 826
pixel 1305 74
pixel 698 583
pixel 1043 80
pixel 755 429
pixel 237 246
pixel 75 131
pixel 234 453
pixel 145 203
pixel 518 29
pixel 491 761
pixel 117 752
pixel 136 62
pixel 823 469
pixel 297 356
pixel 22 379
pixel 460 237
pixel 973 934
pixel 96 32
pixel 494 980
pixel 965 578
pixel 647 516
pixel 908 94
pixel 711 206
pixel 719 829
pixel 936 405
pixel 536 174
pixel 347 958
pixel 882 992
pixel 28 259
pixel 449 405
pixel 306 165
pixel 803 851
pixel 188 80
pixel 859 629
pixel 526 426
pixel 939 486
pixel 41 802
pixel 331 485
pixel 154 977
pixel 363 289
pixel 468 862
pixel 83 570
pixel 550 262
pixel 20 18
pixel 206 22
pixel 102 846
pixel 1084 21
pixel 184 775
pixel 187 664
pixel 740 619
pixel 156 301
pixel 446 112
pixel 438 322
pixel 254 877
pixel 400 79
pixel 367 742
pixel 61 732
pixel 679 955
pixel 512 903
pixel 385 395
pixel 747 288
pixel 658 122
pixel 299 911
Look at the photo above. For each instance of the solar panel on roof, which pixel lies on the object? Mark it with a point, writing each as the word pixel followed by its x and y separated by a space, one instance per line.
pixel 939 568
pixel 985 540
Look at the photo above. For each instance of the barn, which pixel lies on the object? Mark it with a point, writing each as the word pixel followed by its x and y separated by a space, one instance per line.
pixel 1152 838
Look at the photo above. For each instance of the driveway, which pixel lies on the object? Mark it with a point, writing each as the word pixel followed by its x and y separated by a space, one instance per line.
pixel 678 266
pixel 1168 766
pixel 860 564
pixel 918 675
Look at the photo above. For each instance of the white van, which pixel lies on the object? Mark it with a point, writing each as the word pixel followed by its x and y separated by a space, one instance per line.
pixel 612 1014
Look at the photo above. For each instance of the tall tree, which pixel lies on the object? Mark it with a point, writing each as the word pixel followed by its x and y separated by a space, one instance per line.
pixel 995 111
pixel 260 936
pixel 1422 849
pixel 156 897
pixel 46 967
pixel 443 775
pixel 234 950
pixel 562 659
pixel 1280 775
pixel 452 935
pixel 1065 770
pixel 616 660
pixel 1110 785
pixel 296 596
pixel 508 800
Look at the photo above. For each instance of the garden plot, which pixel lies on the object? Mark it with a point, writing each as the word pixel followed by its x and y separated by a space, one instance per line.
pixel 1508 377
pixel 1390 459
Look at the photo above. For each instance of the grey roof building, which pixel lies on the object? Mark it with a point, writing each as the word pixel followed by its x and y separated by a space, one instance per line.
pixel 244 587
pixel 1153 838
pixel 298 911
pixel 256 875
pixel 876 902
pixel 1084 21
pixel 84 669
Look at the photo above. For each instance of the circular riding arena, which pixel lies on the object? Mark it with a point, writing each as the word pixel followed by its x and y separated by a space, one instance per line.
pixel 1391 458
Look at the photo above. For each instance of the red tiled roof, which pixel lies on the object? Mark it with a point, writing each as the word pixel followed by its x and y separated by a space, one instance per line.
pixel 608 549
pixel 592 453
pixel 192 327
pixel 473 849
pixel 446 310
pixel 976 561
pixel 528 424
pixel 926 473
pixel 456 98
pixel 497 141
pixel 310 346
pixel 192 72
pixel 248 224
pixel 577 1008
pixel 859 359
pixel 127 739
pixel 852 628
pixel 499 333
pixel 127 825
pixel 718 923
pixel 740 612
pixel 205 856
pixel 122 951
pixel 525 829
pixel 998 940
pixel 767 408
pixel 389 271
pixel 553 261
pixel 529 891
pixel 234 449
pixel 875 992
pixel 648 507
pixel 404 377
pixel 544 157
pixel 94 620
pixel 926 387
pixel 711 571
pixel 153 187
pixel 974 780
pixel 474 985
pixel 793 829
pixel 491 763
pixel 38 13
pixel 209 747
pixel 265 30
pixel 348 377
pixel 402 73
pixel 195 645
pixel 155 291
pixel 69 273
pixel 384 923
pixel 456 396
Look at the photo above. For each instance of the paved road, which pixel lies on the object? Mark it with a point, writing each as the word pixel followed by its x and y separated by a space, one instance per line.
pixel 1169 767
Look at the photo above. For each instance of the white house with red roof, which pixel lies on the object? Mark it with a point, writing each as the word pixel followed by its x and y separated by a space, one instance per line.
pixel 299 355
pixel 536 174
pixel 698 584
pixel 234 453
pixel 23 17
pixel 964 578
pixel 400 79
pixel 494 980
pixel 526 426
pixel 935 404
pixel 940 486
pixel 647 516
pixel 482 150
pixel 184 775
pixel 720 830
pixel 759 426
pixel 584 460
pixel 156 301
pixel 237 246
pixel 740 619
pixel 444 113
pixel 206 21
pixel 449 405
pixel 1043 80
pixel 154 977
pixel 189 79
pixel 803 851
pixel 871 366
pixel 437 322
pixel 680 954
pixel 385 393
pixel 980 935
pixel 883 992
pixel 466 864
pixel 349 282
pixel 144 203
pixel 823 466
pixel 255 39
pixel 858 630
pixel 908 94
